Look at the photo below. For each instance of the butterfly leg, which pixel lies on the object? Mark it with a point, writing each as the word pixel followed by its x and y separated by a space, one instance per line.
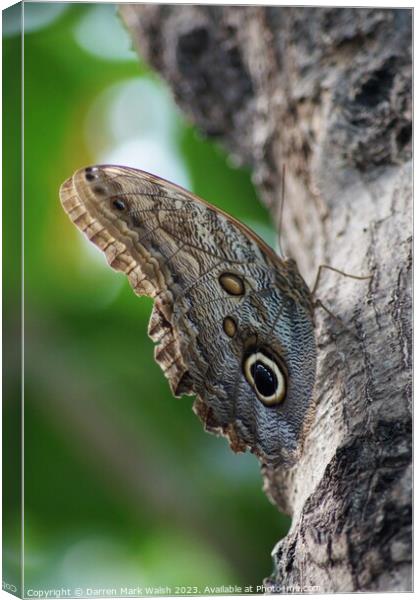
pixel 319 271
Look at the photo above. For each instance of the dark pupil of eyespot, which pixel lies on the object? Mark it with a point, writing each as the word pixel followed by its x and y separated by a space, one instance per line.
pixel 265 380
pixel 118 204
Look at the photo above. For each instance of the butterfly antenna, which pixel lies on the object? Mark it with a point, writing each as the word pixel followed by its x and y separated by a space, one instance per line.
pixel 281 210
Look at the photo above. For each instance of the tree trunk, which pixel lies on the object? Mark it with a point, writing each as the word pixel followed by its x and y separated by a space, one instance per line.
pixel 327 92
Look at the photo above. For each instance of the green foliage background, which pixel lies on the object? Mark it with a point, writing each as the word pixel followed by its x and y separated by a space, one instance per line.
pixel 122 487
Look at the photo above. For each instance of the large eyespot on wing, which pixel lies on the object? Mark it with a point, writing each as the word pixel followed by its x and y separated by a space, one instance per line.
pixel 266 377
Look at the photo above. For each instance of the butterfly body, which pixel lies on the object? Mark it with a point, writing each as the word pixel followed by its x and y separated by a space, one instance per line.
pixel 232 321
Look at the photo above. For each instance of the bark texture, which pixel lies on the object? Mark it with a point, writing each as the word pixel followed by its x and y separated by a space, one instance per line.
pixel 327 92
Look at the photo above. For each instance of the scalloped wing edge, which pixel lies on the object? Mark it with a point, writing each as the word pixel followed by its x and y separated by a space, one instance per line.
pixel 167 352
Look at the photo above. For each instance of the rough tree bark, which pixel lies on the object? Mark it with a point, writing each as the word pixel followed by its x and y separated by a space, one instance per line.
pixel 328 93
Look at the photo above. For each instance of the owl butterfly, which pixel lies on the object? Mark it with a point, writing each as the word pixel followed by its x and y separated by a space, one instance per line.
pixel 233 321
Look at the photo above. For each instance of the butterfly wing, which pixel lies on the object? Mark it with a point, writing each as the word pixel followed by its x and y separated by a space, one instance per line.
pixel 220 295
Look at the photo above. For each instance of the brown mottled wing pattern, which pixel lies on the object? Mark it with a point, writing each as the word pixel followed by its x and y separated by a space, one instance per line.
pixel 175 247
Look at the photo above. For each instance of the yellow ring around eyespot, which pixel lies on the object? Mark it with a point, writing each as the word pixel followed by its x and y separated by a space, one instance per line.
pixel 280 391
